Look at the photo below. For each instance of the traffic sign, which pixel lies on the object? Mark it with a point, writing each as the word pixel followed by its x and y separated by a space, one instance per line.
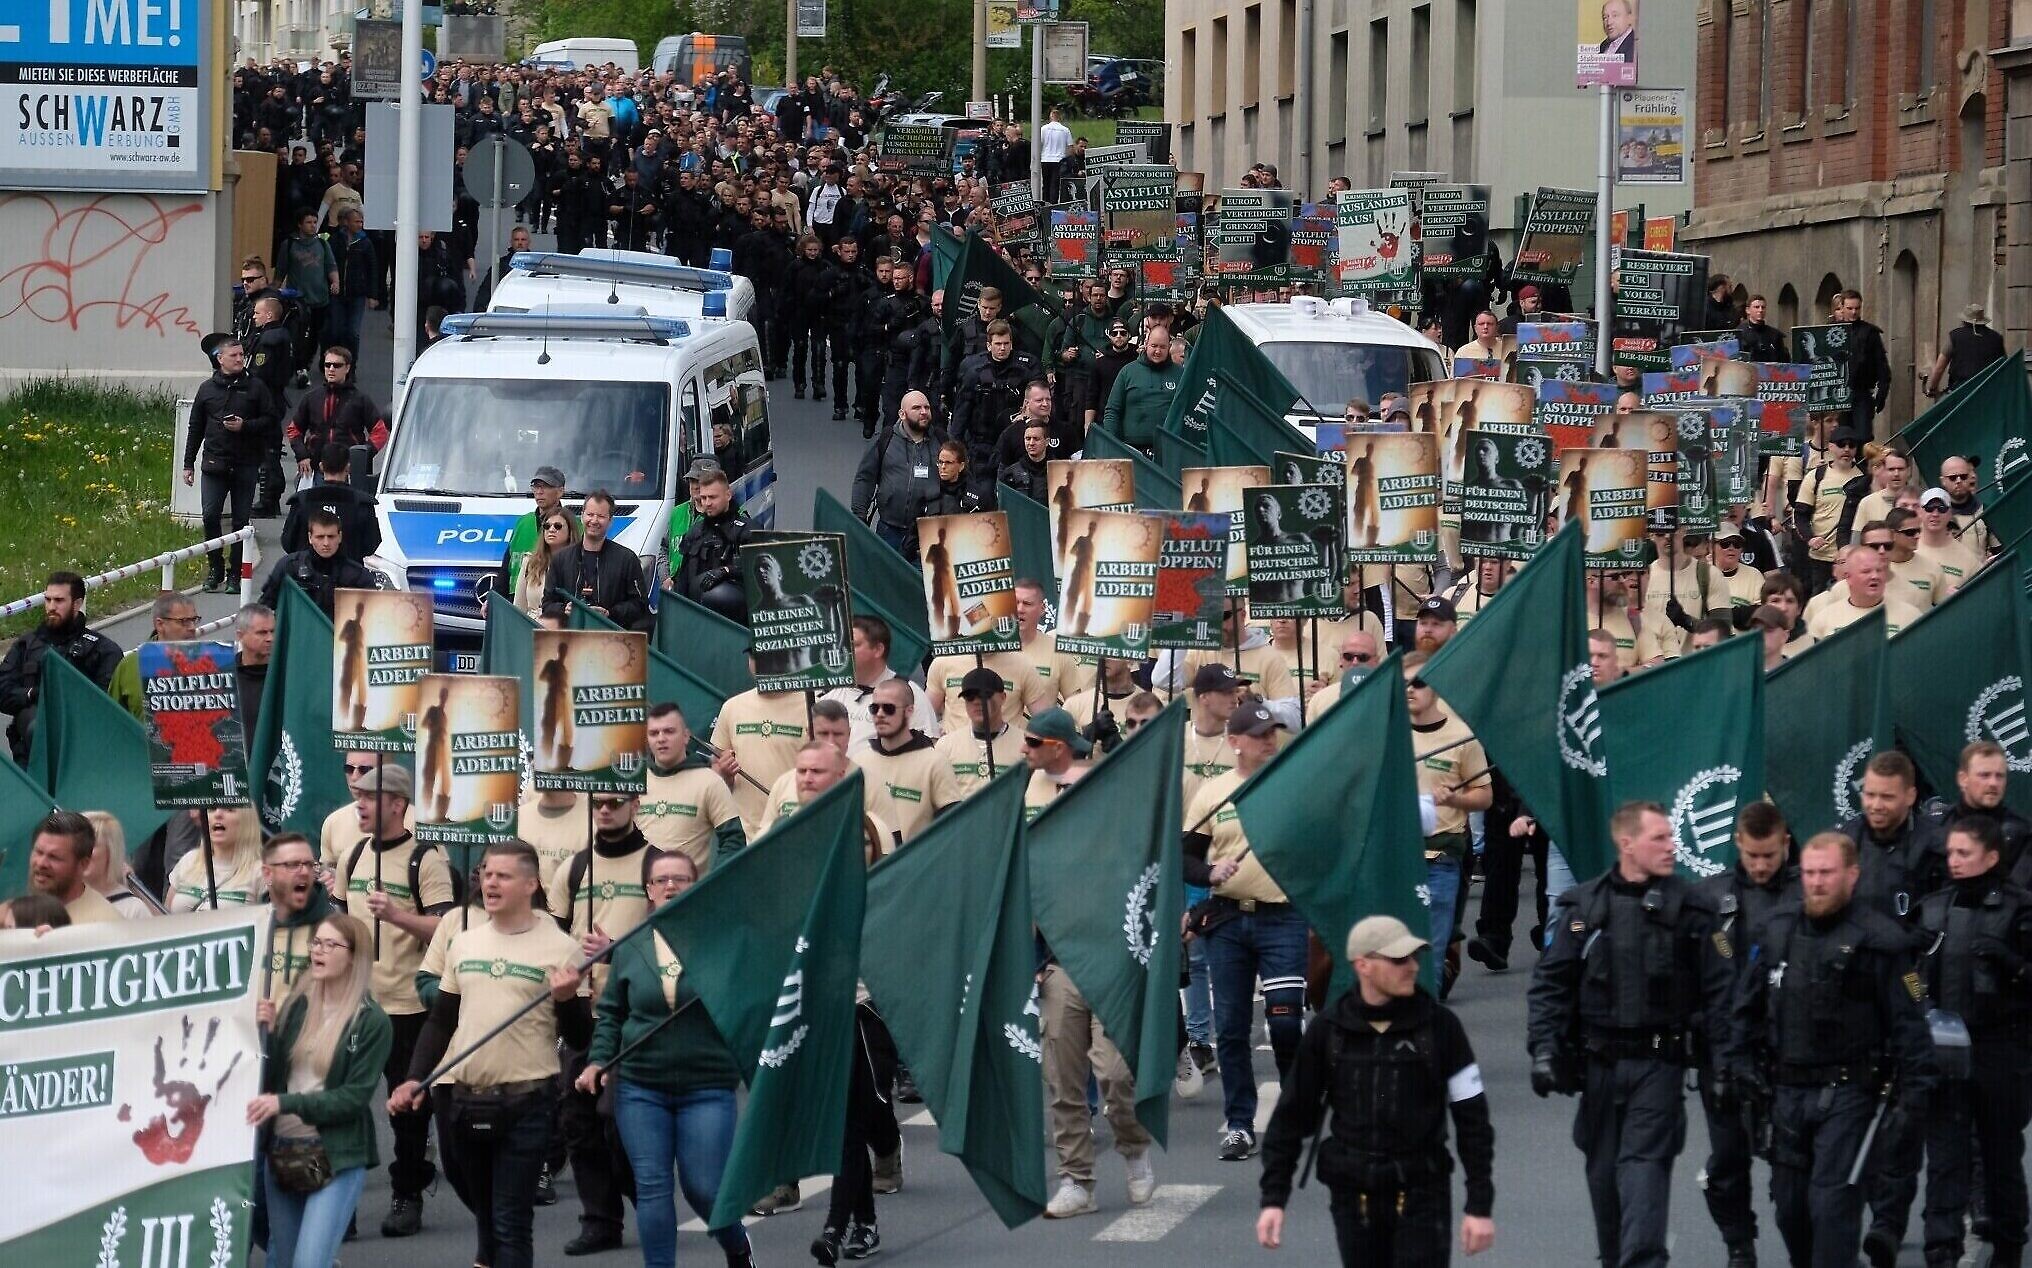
pixel 499 172
pixel 429 63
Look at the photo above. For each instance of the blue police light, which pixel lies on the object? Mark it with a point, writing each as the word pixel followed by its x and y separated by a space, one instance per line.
pixel 444 583
pixel 713 304
pixel 722 258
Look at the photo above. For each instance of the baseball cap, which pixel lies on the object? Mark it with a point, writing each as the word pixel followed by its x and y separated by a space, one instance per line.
pixel 1252 718
pixel 1936 494
pixel 1056 724
pixel 211 343
pixel 704 469
pixel 1384 936
pixel 548 475
pixel 1438 605
pixel 389 779
pixel 1527 291
pixel 1217 676
pixel 981 682
pixel 1118 326
pixel 1770 618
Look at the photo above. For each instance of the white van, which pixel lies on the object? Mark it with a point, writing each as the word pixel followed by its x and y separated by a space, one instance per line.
pixel 585 53
pixel 617 400
pixel 657 284
pixel 1336 351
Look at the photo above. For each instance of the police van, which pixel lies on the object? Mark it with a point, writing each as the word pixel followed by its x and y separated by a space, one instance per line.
pixel 621 280
pixel 618 399
pixel 1336 351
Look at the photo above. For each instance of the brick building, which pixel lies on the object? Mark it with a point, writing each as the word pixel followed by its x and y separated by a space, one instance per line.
pixel 1861 144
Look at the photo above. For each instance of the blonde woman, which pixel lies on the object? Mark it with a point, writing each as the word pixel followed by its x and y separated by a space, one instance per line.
pixel 557 531
pixel 233 841
pixel 327 1044
pixel 108 870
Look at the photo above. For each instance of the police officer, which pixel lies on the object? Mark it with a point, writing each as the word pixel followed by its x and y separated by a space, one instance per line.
pixel 892 325
pixel 1628 970
pixel 62 630
pixel 1392 1063
pixel 1978 968
pixel 986 392
pixel 1827 1018
pixel 271 358
pixel 1745 897
pixel 710 571
pixel 1980 778
pixel 849 295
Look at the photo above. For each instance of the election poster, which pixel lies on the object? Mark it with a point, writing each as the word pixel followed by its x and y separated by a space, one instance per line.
pixel 1567 412
pixel 1154 135
pixel 197 750
pixel 1109 595
pixel 1557 231
pixel 1506 493
pixel 1785 389
pixel 1373 235
pixel 468 761
pixel 1651 139
pixel 381 649
pixel 799 612
pixel 128 1054
pixel 592 710
pixel 1608 44
pixel 914 149
pixel 1293 537
pixel 1192 566
pixel 1453 226
pixel 1393 498
pixel 1015 211
pixel 1252 235
pixel 1658 294
pixel 811 19
pixel 1003 32
pixel 1221 490
pixel 969 583
pixel 1139 214
pixel 1085 484
pixel 1826 349
pixel 1604 491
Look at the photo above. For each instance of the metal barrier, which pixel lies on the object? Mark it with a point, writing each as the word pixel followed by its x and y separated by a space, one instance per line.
pixel 167 562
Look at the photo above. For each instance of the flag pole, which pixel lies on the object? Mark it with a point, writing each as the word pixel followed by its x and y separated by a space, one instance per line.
pixel 445 1067
pixel 713 750
pixel 374 844
pixel 212 875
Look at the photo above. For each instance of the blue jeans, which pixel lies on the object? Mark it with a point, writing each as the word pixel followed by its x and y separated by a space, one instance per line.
pixel 695 1132
pixel 1199 996
pixel 1269 945
pixel 305 1229
pixel 1559 878
pixel 1442 883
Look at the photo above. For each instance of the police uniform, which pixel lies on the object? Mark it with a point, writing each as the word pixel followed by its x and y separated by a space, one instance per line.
pixel 1827 1013
pixel 1940 816
pixel 1978 967
pixel 1630 969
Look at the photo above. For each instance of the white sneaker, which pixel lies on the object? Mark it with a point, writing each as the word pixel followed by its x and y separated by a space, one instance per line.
pixel 1188 1081
pixel 1142 1179
pixel 1072 1198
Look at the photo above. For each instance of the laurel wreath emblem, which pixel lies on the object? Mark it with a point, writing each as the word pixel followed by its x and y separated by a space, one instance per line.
pixel 1139 917
pixel 109 1238
pixel 1978 717
pixel 1682 816
pixel 1023 1041
pixel 290 785
pixel 1844 775
pixel 222 1234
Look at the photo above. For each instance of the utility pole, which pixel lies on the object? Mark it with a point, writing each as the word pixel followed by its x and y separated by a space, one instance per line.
pixel 980 92
pixel 790 45
pixel 1605 195
pixel 1037 117
pixel 408 187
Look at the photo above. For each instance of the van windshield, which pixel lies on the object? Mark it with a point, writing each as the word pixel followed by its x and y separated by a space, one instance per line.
pixel 472 437
pixel 1329 375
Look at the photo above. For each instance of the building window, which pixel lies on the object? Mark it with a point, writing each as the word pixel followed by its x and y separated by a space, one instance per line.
pixel 1379 71
pixel 1337 87
pixel 1287 48
pixel 1252 55
pixel 1764 64
pixel 1925 47
pixel 1803 87
pixel 1421 64
pixel 1217 80
pixel 1463 55
pixel 1188 76
pixel 1725 62
pixel 1847 100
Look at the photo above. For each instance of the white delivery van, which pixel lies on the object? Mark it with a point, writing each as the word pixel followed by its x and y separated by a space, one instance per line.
pixel 657 284
pixel 584 53
pixel 617 400
pixel 1335 351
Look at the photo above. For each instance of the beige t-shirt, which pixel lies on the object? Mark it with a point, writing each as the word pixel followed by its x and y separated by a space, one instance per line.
pixel 967 756
pixel 556 834
pixel 239 880
pixel 765 732
pixel 1207 756
pixel 496 975
pixel 1467 764
pixel 1957 562
pixel 1616 620
pixel 1746 586
pixel 615 889
pixel 1835 616
pixel 394 982
pixel 1822 490
pixel 1333 633
pixel 1263 669
pixel 907 789
pixel 1067 675
pixel 1044 788
pixel 1916 582
pixel 434 955
pixel 681 811
pixel 1029 692
pixel 1249 880
pixel 1081 706
pixel 784 799
pixel 91 908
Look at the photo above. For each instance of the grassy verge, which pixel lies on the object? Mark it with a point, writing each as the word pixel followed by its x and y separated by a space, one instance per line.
pixel 89 468
pixel 1102 131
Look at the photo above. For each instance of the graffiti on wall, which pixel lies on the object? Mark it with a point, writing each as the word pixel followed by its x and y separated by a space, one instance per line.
pixel 103 259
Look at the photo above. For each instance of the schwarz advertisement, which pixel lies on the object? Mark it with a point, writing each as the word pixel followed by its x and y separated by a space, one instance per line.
pixel 107 95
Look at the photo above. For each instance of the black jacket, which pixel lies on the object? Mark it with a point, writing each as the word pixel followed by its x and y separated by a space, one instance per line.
pixel 93 654
pixel 271 357
pixel 359 530
pixel 1107 364
pixel 1027 478
pixel 325 415
pixel 951 499
pixel 610 578
pixel 319 577
pixel 1761 341
pixel 892 319
pixel 709 560
pixel 1869 366
pixel 985 393
pixel 849 299
pixel 1898 871
pixel 218 396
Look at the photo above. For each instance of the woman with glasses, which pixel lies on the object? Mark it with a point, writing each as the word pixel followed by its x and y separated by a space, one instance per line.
pixel 953 496
pixel 556 531
pixel 232 841
pixel 673 1089
pixel 326 1047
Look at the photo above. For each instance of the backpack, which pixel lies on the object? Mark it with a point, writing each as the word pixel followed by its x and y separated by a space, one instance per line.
pixel 582 862
pixel 415 874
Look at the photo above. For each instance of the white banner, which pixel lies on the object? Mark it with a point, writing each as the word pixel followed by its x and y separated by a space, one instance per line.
pixel 134 1044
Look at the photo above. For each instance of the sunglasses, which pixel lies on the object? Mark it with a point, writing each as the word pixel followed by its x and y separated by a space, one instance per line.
pixel 1421 684
pixel 351 769
pixel 884 708
pixel 1959 479
pixel 1906 532
pixel 253 280
pixel 609 803
pixel 1356 658
pixel 335 365
pixel 1131 724
pixel 1036 741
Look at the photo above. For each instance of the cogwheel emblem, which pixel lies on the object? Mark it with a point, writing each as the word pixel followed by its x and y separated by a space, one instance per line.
pixel 1315 504
pixel 1691 426
pixel 815 561
pixel 1531 453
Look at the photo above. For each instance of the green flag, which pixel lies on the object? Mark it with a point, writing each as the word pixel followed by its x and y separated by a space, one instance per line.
pixel 1155 491
pixel 297 776
pixel 22 804
pixel 1957 674
pixel 1823 717
pixel 1990 425
pixel 88 753
pixel 508 648
pixel 1225 372
pixel 948 936
pixel 2009 510
pixel 883 582
pixel 945 255
pixel 1689 735
pixel 1029 537
pixel 1518 676
pixel 704 642
pixel 1175 453
pixel 1958 395
pixel 979 264
pixel 771 940
pixel 668 680
pixel 1107 881
pixel 1334 819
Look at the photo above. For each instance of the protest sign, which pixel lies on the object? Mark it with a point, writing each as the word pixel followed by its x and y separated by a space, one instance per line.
pixel 1732 439
pixel 1015 210
pixel 1695 468
pixel 1072 243
pixel 1110 588
pixel 1448 407
pixel 1221 489
pixel 1293 537
pixel 197 750
pixel 1154 135
pixel 1690 354
pixel 1373 235
pixel 1087 484
pixel 468 761
pixel 1252 235
pixel 1453 230
pixel 1826 349
pixel 1566 412
pixel 1505 492
pixel 124 1091
pixel 1192 566
pixel 914 149
pixel 1393 497
pixel 1561 341
pixel 1312 243
pixel 381 648
pixel 969 583
pixel 1784 389
pixel 800 611
pixel 592 712
pixel 1604 491
pixel 1139 214
pixel 1665 387
pixel 1306 468
pixel 1557 231
pixel 1656 436
pixel 1658 294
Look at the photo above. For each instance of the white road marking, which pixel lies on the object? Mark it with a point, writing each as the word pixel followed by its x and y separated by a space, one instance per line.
pixel 811 1189
pixel 1169 1207
pixel 1266 1104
